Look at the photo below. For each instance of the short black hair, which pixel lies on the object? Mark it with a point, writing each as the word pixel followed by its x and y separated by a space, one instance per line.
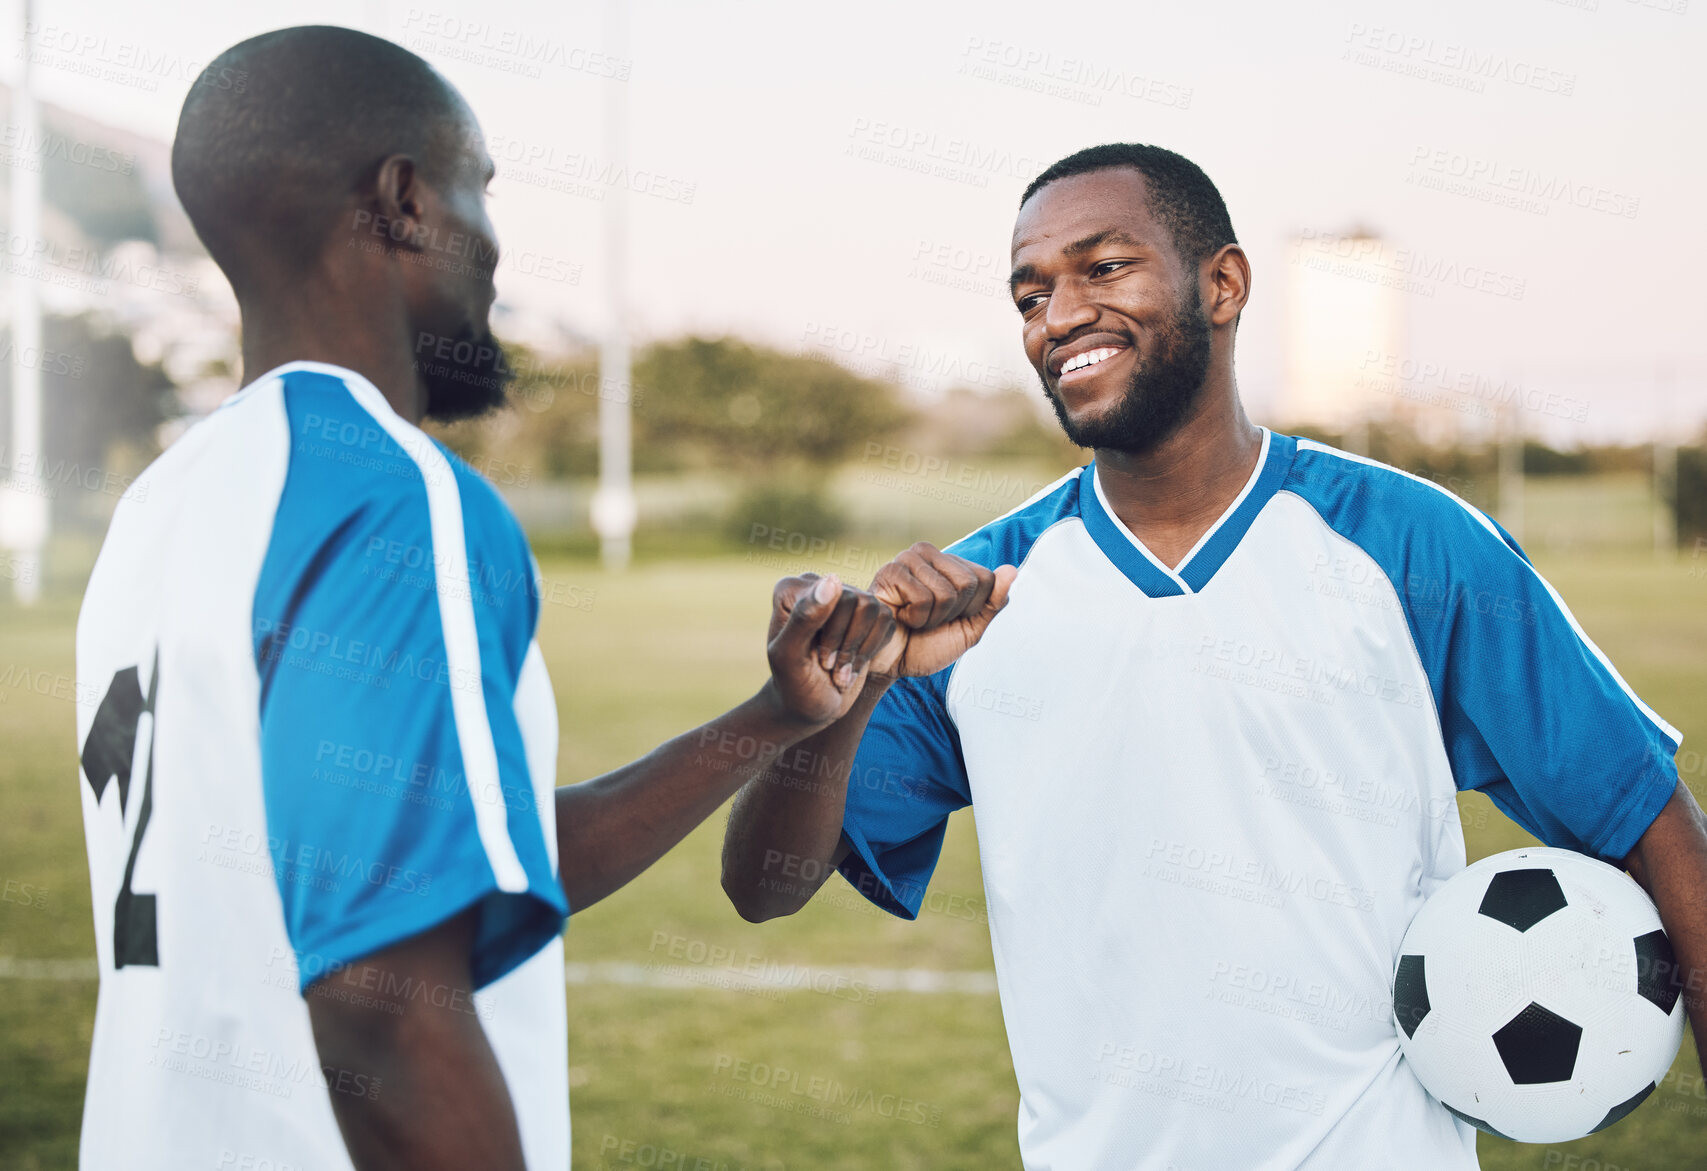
pixel 279 130
pixel 1182 197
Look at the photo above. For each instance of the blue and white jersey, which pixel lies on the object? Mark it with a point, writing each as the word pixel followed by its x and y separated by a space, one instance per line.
pixel 324 727
pixel 1211 798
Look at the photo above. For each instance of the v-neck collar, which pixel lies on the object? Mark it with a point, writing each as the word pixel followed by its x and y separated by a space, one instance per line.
pixel 1143 568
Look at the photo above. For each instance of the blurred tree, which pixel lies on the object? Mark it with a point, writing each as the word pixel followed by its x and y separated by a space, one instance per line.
pixel 756 410
pixel 778 422
pixel 1033 438
pixel 549 431
pixel 781 422
pixel 1541 460
pixel 1467 471
pixel 1692 494
pixel 720 403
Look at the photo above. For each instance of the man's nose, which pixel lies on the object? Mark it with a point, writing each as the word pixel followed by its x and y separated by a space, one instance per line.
pixel 1068 309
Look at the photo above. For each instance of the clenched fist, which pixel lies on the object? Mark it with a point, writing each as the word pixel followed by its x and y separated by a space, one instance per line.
pixel 822 637
pixel 942 605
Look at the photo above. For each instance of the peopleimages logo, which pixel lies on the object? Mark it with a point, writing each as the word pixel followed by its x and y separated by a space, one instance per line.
pixel 1074 79
pixel 1449 63
pixel 1525 188
pixel 30 151
pixel 1410 270
pixel 916 148
pixel 89 268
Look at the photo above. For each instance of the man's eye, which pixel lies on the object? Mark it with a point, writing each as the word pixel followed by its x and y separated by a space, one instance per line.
pixel 1027 304
pixel 1108 266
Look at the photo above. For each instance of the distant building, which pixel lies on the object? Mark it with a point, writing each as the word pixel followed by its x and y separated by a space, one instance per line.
pixel 1345 331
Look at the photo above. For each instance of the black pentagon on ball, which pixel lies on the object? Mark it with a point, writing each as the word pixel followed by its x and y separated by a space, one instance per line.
pixel 1522 898
pixel 1538 1045
pixel 1475 1122
pixel 1410 994
pixel 1657 977
pixel 1623 1108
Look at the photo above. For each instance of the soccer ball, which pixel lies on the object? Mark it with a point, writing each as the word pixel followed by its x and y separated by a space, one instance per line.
pixel 1536 995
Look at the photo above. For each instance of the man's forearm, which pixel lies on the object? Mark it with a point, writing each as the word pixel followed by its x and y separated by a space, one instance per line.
pixel 784 834
pixel 614 826
pixel 1671 862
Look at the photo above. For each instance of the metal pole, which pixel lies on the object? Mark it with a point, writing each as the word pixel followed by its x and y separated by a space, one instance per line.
pixel 23 496
pixel 614 510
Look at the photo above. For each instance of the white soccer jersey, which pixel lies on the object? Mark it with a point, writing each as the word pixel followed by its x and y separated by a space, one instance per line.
pixel 1211 798
pixel 323 727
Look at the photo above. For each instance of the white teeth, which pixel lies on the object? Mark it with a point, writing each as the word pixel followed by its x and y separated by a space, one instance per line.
pixel 1088 358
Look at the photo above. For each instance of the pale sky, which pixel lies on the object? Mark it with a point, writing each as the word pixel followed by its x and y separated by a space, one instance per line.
pixel 790 150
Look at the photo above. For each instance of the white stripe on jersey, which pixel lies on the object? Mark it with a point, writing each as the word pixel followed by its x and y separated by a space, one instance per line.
pixel 462 639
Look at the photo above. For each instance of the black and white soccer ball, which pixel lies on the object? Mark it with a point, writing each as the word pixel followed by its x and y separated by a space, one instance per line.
pixel 1537 996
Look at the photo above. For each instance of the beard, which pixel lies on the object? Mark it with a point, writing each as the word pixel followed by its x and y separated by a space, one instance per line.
pixel 465 376
pixel 1161 392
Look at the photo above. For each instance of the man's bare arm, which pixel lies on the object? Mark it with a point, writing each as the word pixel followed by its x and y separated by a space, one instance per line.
pixel 1670 861
pixel 784 838
pixel 413 1081
pixel 822 638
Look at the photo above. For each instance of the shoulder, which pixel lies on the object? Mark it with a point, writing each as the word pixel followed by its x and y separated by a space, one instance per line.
pixel 1372 503
pixel 1009 538
pixel 346 443
pixel 373 505
pixel 361 477
pixel 351 452
pixel 487 519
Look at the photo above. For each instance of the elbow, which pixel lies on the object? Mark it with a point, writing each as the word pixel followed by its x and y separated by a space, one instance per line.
pixel 758 913
pixel 751 903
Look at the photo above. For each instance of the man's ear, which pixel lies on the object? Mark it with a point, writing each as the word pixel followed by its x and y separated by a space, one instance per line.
pixel 398 203
pixel 1229 273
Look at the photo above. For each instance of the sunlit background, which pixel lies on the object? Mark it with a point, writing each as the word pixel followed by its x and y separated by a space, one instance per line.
pixel 1476 240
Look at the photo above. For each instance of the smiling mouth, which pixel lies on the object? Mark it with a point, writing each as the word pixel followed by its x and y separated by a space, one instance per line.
pixel 1088 360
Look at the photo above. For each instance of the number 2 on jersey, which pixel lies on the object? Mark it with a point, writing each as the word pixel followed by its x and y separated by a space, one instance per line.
pixel 107 755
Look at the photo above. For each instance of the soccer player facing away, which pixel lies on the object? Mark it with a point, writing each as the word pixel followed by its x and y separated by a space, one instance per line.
pixel 1215 737
pixel 328 866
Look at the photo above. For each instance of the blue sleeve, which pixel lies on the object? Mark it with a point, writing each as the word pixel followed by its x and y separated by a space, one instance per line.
pixel 1531 713
pixel 395 777
pixel 909 774
pixel 907 777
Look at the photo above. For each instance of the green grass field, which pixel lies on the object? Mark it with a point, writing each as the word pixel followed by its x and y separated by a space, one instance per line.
pixel 653 1069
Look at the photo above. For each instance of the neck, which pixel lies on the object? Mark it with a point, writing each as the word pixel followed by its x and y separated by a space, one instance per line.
pixel 1169 496
pixel 317 319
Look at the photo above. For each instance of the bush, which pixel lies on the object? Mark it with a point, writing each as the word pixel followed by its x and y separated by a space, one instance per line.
pixel 1691 495
pixel 801 512
pixel 751 409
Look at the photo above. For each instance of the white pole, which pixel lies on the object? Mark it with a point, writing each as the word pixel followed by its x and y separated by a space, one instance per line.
pixel 614 510
pixel 23 495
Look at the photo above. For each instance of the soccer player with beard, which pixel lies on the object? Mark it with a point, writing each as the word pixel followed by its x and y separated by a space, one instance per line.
pixel 329 866
pixel 1215 738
